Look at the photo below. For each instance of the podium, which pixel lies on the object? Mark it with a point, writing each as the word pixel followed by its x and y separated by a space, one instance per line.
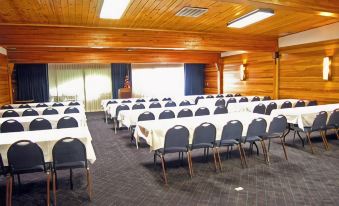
pixel 124 93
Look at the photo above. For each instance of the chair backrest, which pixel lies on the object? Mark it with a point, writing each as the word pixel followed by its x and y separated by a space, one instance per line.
pixel 111 102
pixel 271 106
pixel 319 122
pixel 74 104
pixel 185 113
pixel 10 113
pixel 232 130
pixel 176 137
pixel 2 167
pixel 312 103
pixel 155 105
pixel 231 100
pixel 259 109
pixel 126 101
pixel 25 106
pixel 266 98
pixel 204 133
pixel 170 104
pixel 167 99
pixel 71 110
pixel 138 106
pixel 146 116
pixel 50 111
pixel 39 124
pixel 140 100
pixel 58 104
pixel 6 106
pixel 209 96
pixel 69 150
pixel 24 155
pixel 154 100
pixel 257 127
pixel 219 96
pixel 11 125
pixel 255 99
pixel 229 95
pixel 67 122
pixel 243 99
pixel 300 103
pixel 167 114
pixel 278 125
pixel 41 105
pixel 120 108
pixel 220 110
pixel 198 98
pixel 237 95
pixel 201 111
pixel 184 103
pixel 334 119
pixel 286 104
pixel 30 112
pixel 220 102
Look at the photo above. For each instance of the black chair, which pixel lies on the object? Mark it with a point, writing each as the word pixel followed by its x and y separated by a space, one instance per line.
pixel 231 100
pixel 209 97
pixel 41 105
pixel 286 104
pixel 138 106
pixel 117 111
pixel 219 96
pixel 154 100
pixel 201 111
pixel 10 113
pixel 170 104
pixel 155 105
pixel 126 101
pixel 271 106
pixel 266 98
pixel 220 110
pixel 23 106
pixel 70 153
pixel 333 122
pixel 6 106
pixel 167 99
pixel 259 109
pixel 26 157
pixel 140 100
pixel 300 103
pixel 50 111
pixel 111 102
pixel 243 99
pixel 176 141
pixel 185 113
pixel 255 99
pixel 145 116
pixel 11 125
pixel 3 172
pixel 204 138
pixel 74 104
pixel 166 114
pixel 39 124
pixel 229 95
pixel 237 95
pixel 220 102
pixel 231 134
pixel 312 103
pixel 184 103
pixel 67 122
pixel 30 112
pixel 197 99
pixel 58 104
pixel 71 110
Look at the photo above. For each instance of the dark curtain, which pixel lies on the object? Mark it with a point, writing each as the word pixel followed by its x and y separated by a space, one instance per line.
pixel 194 79
pixel 32 82
pixel 119 72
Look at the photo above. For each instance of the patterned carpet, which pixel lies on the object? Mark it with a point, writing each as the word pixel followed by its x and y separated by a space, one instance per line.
pixel 123 175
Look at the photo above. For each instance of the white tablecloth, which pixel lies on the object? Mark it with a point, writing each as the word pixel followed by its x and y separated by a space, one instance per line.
pixel 46 140
pixel 211 101
pixel 154 131
pixel 53 119
pixel 40 110
pixel 33 105
pixel 304 116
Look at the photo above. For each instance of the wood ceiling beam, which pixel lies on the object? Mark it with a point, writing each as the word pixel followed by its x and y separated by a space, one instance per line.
pixel 85 37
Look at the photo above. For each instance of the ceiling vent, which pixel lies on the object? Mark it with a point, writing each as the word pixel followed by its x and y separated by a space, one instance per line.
pixel 191 11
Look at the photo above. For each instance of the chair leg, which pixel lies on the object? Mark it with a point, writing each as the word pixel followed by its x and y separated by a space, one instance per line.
pixel 337 133
pixel 219 159
pixel 215 160
pixel 48 188
pixel 243 154
pixel 154 161
pixel 190 169
pixel 283 145
pixel 71 178
pixel 256 146
pixel 89 184
pixel 7 190
pixel 269 145
pixel 263 145
pixel 163 168
pixel 241 158
pixel 54 187
pixel 301 139
pixel 10 190
pixel 308 135
pixel 325 142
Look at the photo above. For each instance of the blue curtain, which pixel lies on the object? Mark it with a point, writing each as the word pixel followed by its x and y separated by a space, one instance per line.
pixel 119 72
pixel 194 79
pixel 32 82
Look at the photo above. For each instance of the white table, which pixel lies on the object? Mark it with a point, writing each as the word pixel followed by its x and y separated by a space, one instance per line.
pixel 46 139
pixel 53 119
pixel 154 131
pixel 49 104
pixel 40 110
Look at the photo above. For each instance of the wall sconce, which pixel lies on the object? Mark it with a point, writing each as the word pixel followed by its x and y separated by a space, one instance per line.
pixel 242 72
pixel 327 68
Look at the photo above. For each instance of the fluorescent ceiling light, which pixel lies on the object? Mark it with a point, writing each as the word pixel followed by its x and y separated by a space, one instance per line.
pixel 113 9
pixel 251 18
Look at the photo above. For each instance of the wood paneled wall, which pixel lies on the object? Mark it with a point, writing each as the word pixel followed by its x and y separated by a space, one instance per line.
pixel 301 72
pixel 5 97
pixel 259 80
pixel 211 79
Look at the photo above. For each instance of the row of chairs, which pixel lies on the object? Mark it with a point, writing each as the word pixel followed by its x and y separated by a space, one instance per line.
pixel 12 125
pixel 140 105
pixel 56 104
pixel 32 112
pixel 222 102
pixel 262 109
pixel 27 157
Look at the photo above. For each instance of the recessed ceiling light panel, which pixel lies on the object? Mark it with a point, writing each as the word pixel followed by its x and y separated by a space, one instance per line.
pixel 113 9
pixel 251 18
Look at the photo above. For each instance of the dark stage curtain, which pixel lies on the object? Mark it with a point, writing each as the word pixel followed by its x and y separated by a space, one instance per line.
pixel 119 72
pixel 194 79
pixel 32 82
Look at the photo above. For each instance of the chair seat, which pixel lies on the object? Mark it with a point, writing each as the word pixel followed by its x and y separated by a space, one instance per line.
pixel 253 139
pixel 172 150
pixel 4 171
pixel 270 136
pixel 37 168
pixel 202 145
pixel 70 165
pixel 332 126
pixel 228 142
